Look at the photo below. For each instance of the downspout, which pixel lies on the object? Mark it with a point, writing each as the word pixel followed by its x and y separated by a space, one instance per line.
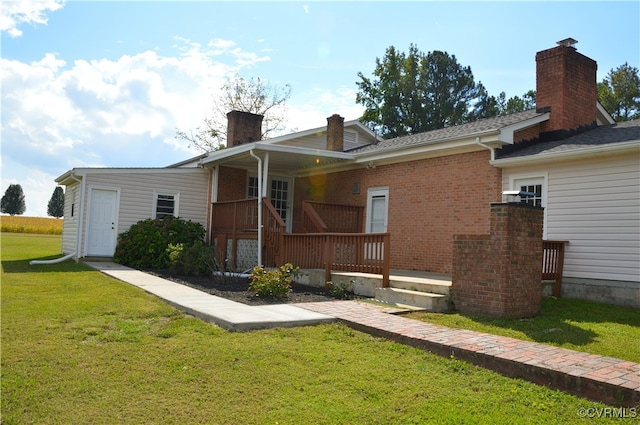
pixel 214 198
pixel 259 206
pixel 79 230
pixel 492 150
pixel 265 174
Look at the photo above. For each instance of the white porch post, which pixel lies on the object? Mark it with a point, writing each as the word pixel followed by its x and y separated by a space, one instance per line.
pixel 265 175
pixel 259 206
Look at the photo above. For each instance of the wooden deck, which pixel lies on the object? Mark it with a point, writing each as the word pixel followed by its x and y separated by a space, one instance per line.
pixel 332 241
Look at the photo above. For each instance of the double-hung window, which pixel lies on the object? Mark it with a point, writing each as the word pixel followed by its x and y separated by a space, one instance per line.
pixel 536 184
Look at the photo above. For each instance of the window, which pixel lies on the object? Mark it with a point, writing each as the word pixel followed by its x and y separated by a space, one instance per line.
pixel 534 185
pixel 537 184
pixel 532 200
pixel 252 187
pixel 166 203
pixel 377 209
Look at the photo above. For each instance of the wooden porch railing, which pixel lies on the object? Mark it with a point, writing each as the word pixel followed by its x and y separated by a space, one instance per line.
pixel 274 231
pixel 357 252
pixel 336 218
pixel 351 252
pixel 311 220
pixel 233 220
pixel 553 263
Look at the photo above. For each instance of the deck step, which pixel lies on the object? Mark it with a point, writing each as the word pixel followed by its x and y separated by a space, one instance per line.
pixel 406 297
pixel 433 286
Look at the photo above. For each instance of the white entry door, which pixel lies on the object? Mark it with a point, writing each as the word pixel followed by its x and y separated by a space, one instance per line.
pixel 280 196
pixel 102 223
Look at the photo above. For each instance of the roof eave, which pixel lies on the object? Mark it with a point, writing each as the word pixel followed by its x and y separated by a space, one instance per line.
pixel 593 151
pixel 507 132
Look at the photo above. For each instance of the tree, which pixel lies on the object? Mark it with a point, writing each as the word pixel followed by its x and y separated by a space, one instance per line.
pixel 55 208
pixel 489 106
pixel 619 93
pixel 417 92
pixel 13 200
pixel 239 94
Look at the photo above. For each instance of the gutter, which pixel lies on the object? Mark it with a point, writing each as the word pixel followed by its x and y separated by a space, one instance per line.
pixel 631 146
pixel 492 150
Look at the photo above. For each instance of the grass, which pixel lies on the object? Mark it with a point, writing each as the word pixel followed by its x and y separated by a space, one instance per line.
pixel 79 347
pixel 594 328
pixel 38 225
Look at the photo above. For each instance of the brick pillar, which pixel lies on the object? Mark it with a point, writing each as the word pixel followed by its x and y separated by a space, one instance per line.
pixel 500 274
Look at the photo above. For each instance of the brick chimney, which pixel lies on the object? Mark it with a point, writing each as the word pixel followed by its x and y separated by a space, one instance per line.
pixel 243 127
pixel 335 133
pixel 566 83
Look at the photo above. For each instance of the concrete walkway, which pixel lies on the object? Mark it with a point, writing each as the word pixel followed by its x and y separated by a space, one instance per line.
pixel 606 379
pixel 227 314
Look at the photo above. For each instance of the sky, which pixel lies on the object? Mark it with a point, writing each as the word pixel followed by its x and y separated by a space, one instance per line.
pixel 108 84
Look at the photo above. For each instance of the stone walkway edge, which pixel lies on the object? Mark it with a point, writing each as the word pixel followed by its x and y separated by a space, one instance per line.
pixel 612 381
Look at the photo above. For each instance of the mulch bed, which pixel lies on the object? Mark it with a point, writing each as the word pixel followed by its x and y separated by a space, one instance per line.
pixel 236 289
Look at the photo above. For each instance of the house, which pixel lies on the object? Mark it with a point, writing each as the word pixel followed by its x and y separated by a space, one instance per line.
pixel 399 202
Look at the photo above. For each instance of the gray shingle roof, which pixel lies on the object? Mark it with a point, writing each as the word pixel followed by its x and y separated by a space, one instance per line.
pixel 599 136
pixel 459 131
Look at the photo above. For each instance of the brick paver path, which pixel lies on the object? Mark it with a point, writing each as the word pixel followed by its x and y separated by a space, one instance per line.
pixel 606 379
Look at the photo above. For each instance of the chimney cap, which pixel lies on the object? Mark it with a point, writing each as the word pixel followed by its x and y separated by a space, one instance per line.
pixel 567 42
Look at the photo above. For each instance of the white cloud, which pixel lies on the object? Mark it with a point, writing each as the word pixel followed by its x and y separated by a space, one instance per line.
pixel 123 112
pixel 33 12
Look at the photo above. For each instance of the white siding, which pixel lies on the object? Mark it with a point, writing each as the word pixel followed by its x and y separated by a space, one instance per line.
pixel 70 223
pixel 595 205
pixel 137 193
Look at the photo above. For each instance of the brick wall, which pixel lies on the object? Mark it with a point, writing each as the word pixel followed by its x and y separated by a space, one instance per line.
pixel 233 184
pixel 500 274
pixel 430 200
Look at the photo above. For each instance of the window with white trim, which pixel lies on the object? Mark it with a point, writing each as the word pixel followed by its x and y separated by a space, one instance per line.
pixel 165 203
pixel 536 184
pixel 252 187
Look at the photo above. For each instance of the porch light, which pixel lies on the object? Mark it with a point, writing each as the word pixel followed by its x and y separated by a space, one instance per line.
pixel 317 160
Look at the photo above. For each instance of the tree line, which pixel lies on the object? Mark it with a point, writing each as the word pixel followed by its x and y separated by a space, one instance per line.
pixel 408 93
pixel 13 202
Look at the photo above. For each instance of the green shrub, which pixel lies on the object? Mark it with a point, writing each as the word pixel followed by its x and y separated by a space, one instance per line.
pixel 341 290
pixel 272 283
pixel 197 259
pixel 144 245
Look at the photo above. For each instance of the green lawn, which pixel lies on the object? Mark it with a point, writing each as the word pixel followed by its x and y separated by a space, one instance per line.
pixel 81 348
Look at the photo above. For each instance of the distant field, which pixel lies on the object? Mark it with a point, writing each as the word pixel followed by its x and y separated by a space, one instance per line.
pixel 40 225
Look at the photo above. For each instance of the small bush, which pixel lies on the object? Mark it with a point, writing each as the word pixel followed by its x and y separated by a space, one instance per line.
pixel 144 245
pixel 197 259
pixel 341 291
pixel 272 283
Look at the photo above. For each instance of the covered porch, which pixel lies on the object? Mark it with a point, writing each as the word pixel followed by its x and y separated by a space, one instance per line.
pixel 330 240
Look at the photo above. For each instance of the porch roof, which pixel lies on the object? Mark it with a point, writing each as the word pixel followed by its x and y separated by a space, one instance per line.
pixel 284 158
